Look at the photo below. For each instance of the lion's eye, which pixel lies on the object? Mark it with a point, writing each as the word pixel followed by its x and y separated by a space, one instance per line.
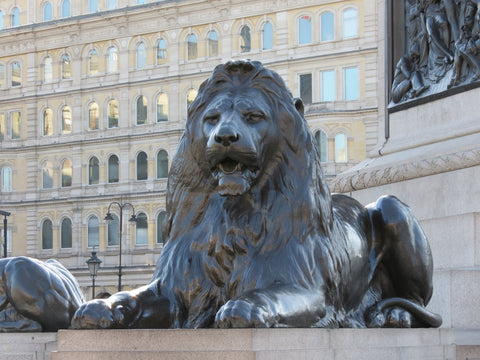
pixel 212 118
pixel 255 117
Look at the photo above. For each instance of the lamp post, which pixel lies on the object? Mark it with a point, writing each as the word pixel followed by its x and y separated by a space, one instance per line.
pixel 5 214
pixel 93 265
pixel 109 217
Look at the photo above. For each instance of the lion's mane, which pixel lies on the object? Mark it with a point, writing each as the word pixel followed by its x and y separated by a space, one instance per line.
pixel 288 209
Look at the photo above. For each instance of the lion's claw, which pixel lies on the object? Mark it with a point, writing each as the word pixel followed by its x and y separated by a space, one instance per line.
pixel 242 314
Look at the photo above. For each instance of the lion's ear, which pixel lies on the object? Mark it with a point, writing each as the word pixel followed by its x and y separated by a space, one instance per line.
pixel 299 105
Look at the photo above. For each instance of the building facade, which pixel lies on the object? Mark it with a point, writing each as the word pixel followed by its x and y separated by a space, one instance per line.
pixel 94 97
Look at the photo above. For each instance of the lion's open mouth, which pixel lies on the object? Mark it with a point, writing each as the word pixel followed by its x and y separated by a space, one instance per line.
pixel 234 177
pixel 230 166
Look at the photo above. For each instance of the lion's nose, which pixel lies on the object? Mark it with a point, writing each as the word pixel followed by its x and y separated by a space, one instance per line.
pixel 226 135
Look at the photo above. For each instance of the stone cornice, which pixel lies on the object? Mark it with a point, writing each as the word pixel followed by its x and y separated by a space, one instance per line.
pixel 368 177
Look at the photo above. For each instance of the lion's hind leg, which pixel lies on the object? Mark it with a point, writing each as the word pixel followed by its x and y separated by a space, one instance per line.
pixel 404 268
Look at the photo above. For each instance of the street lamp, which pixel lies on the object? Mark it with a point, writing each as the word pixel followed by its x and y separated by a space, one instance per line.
pixel 5 214
pixel 108 218
pixel 93 265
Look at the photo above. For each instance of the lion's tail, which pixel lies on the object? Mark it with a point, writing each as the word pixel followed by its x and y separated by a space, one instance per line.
pixel 425 317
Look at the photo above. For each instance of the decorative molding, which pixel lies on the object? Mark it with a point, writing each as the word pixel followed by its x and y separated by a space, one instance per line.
pixel 376 176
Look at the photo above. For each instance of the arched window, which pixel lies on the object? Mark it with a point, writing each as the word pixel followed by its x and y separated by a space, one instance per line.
pixel 351 83
pixel 93 231
pixel 160 220
pixel 66 234
pixel 16 122
pixel 47 175
pixel 112 4
pixel 67 173
pixel 341 148
pixel 142 166
pixel 66 120
pixel 113 230
pixel 327 26
pixel 113 172
pixel 112 109
pixel 162 107
pixel 212 44
pixel 192 47
pixel 141 110
pixel 141 229
pixel 350 23
pixel 16 71
pixel 328 85
pixel 47 69
pixel 93 116
pixel 191 95
pixel 1 20
pixel 141 55
pixel 93 5
pixel 321 139
pixel 161 51
pixel 93 62
pixel 112 59
pixel 162 164
pixel 47 234
pixel 305 30
pixel 47 11
pixel 245 41
pixel 6 179
pixel 15 16
pixel 267 36
pixel 66 66
pixel 47 122
pixel 93 171
pixel 66 8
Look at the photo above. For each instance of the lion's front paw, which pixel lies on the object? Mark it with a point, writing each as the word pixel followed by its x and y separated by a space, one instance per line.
pixel 243 314
pixel 95 314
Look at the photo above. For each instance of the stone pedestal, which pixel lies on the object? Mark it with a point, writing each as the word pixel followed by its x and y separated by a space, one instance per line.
pixel 27 346
pixel 432 163
pixel 259 344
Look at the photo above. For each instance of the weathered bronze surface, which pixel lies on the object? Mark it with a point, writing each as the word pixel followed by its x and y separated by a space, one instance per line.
pixel 254 237
pixel 443 48
pixel 36 295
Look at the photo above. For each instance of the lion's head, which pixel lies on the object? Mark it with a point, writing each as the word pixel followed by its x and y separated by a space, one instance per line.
pixel 246 140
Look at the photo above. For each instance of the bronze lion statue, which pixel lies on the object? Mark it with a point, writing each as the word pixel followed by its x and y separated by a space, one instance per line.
pixel 254 237
pixel 36 295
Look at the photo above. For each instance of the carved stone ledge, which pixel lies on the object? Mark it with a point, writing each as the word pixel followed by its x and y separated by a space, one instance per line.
pixel 369 175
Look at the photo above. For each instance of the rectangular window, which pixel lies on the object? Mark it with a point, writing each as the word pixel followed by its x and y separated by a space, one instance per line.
pixel 2 127
pixel 305 81
pixel 328 85
pixel 16 120
pixel 351 84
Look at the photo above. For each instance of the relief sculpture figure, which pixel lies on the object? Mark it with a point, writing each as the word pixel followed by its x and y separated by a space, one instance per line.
pixel 36 295
pixel 255 239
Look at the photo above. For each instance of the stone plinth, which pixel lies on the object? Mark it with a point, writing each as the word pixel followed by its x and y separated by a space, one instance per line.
pixel 432 163
pixel 27 346
pixel 260 344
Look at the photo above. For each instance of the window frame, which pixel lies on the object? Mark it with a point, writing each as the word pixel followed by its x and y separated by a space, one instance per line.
pixel 69 233
pixel 44 230
pixel 305 38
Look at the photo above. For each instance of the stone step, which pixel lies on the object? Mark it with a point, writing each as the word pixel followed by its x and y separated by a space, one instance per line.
pixel 259 344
